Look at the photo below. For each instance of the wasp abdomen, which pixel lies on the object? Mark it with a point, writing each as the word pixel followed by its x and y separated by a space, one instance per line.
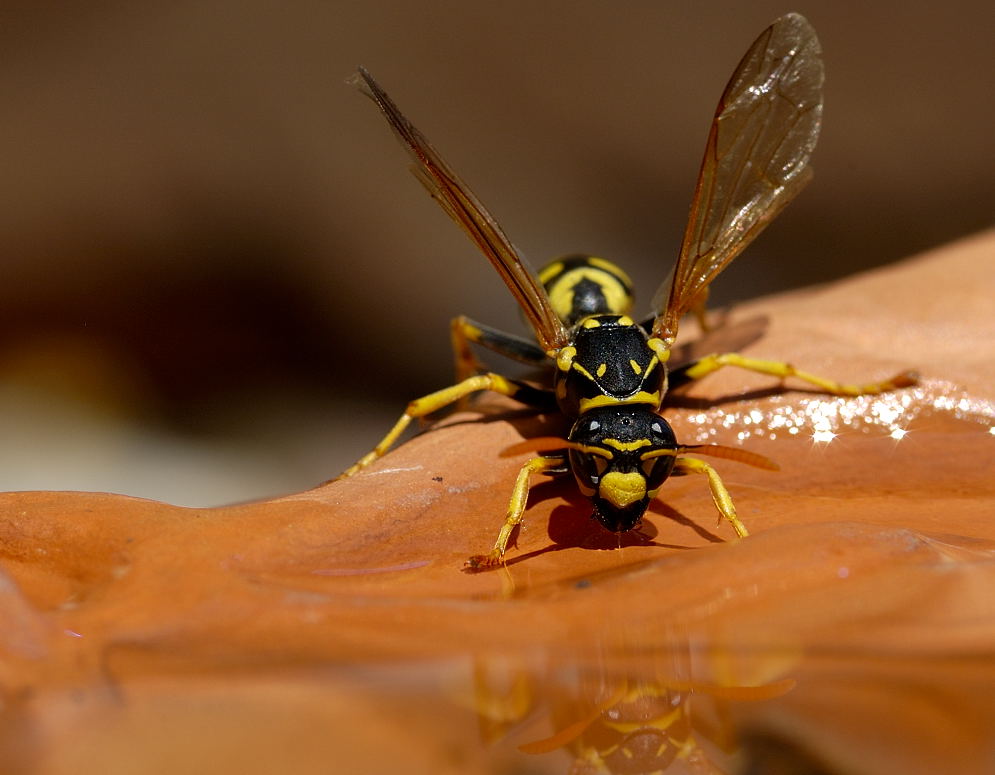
pixel 579 286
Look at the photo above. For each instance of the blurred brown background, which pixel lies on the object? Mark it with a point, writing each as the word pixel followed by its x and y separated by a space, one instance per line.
pixel 219 281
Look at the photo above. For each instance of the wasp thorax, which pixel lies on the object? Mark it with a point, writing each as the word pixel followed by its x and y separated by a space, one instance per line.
pixel 620 455
pixel 609 362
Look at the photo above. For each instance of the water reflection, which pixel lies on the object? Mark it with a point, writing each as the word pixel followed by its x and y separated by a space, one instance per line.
pixel 622 709
pixel 830 713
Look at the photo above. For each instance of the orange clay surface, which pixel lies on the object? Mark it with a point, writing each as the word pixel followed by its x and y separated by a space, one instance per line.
pixel 335 631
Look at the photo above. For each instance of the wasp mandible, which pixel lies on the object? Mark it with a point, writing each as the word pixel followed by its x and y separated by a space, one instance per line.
pixel 610 373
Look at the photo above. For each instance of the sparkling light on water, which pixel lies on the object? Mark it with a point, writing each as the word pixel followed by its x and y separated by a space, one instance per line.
pixel 825 417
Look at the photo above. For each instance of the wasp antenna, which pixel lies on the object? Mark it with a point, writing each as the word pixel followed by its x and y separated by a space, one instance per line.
pixel 573 731
pixel 538 444
pixel 733 453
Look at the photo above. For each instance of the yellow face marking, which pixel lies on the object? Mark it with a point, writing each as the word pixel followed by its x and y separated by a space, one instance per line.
pixel 636 367
pixel 622 490
pixel 550 271
pixel 642 397
pixel 625 320
pixel 628 446
pixel 592 323
pixel 602 369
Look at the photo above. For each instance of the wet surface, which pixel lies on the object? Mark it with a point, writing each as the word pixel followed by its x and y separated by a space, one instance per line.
pixel 335 630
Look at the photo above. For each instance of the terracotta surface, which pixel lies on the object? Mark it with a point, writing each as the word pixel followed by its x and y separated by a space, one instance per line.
pixel 334 630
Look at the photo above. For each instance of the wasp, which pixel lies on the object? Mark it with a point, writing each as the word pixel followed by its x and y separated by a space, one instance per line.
pixel 610 372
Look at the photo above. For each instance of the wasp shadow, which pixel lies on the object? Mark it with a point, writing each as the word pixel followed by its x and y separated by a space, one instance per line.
pixel 572 525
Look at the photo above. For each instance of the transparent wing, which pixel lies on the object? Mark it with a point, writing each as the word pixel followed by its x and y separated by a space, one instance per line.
pixel 756 159
pixel 464 208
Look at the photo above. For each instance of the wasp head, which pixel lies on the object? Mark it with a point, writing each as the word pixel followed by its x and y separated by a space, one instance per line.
pixel 620 455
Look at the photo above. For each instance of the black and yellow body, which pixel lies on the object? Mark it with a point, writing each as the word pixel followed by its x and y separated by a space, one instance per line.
pixel 609 373
pixel 579 286
pixel 612 382
pixel 609 362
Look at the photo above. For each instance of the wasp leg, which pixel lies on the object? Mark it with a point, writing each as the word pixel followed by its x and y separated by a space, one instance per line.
pixel 462 331
pixel 450 395
pixel 720 495
pixel 699 308
pixel 516 509
pixel 710 363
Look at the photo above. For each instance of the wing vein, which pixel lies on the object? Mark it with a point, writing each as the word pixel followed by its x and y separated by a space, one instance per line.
pixel 460 203
pixel 755 162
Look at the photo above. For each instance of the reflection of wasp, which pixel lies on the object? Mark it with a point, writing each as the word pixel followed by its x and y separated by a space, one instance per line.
pixel 650 721
pixel 647 726
pixel 610 372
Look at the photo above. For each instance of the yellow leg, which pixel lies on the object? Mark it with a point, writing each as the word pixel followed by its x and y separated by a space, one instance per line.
pixel 711 363
pixel 461 333
pixel 720 495
pixel 516 509
pixel 699 308
pixel 432 403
